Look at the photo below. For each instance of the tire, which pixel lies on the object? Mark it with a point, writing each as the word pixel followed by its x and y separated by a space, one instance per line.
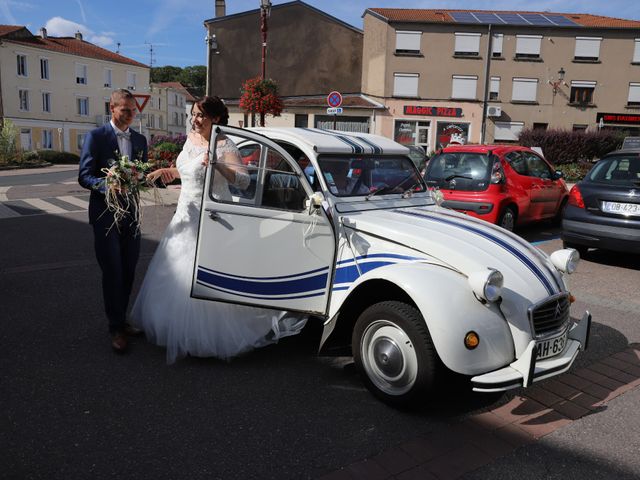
pixel 394 353
pixel 507 219
pixel 556 221
pixel 582 249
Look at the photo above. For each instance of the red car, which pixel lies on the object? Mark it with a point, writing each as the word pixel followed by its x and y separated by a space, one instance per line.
pixel 507 185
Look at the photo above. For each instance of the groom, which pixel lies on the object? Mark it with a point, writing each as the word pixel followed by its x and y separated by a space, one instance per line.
pixel 117 248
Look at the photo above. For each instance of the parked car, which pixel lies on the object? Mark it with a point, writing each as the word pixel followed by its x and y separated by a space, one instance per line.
pixel 412 290
pixel 604 208
pixel 418 156
pixel 507 185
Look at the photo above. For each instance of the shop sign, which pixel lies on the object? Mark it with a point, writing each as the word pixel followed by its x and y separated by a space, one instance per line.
pixel 619 118
pixel 432 111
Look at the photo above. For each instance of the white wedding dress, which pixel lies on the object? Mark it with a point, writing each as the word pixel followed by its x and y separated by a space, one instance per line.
pixel 164 308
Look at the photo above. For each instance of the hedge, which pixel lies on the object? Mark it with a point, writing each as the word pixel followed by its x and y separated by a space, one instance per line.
pixel 52 156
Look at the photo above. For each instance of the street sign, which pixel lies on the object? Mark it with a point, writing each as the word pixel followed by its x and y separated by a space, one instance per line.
pixel 334 111
pixel 334 99
pixel 144 98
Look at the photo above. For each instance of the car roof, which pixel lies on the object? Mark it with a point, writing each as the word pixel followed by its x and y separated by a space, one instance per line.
pixel 333 141
pixel 485 148
pixel 624 151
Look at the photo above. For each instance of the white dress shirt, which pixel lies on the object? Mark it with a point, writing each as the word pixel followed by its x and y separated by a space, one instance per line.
pixel 124 140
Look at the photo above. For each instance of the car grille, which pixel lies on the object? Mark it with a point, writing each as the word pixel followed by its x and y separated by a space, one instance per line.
pixel 550 315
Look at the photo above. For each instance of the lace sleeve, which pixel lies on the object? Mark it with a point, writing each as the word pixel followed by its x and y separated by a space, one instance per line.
pixel 228 153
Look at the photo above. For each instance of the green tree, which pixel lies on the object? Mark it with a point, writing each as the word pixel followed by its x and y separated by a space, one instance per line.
pixel 195 77
pixel 165 74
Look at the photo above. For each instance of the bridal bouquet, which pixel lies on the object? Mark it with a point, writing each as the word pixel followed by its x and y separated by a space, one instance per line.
pixel 125 179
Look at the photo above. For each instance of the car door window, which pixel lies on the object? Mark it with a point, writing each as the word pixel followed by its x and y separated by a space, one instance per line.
pixel 537 167
pixel 282 187
pixel 517 162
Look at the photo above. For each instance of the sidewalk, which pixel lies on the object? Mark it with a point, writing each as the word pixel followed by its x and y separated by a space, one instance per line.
pixel 34 171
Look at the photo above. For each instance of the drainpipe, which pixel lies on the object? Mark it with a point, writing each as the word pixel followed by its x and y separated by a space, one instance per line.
pixel 487 83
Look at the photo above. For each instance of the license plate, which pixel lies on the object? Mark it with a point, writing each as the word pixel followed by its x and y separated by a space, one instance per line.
pixel 632 209
pixel 551 347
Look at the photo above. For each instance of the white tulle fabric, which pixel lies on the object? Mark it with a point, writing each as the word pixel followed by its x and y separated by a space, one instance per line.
pixel 164 308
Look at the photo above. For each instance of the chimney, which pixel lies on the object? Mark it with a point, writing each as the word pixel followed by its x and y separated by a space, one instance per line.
pixel 221 9
pixel 78 35
pixel 43 32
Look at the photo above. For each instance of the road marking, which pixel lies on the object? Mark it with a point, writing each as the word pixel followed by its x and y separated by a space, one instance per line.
pixel 3 194
pixel 75 201
pixel 72 182
pixel 44 205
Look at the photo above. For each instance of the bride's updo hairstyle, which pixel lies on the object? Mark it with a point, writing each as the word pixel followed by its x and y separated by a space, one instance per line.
pixel 213 107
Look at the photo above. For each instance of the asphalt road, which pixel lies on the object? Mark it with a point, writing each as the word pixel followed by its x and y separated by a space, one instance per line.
pixel 74 409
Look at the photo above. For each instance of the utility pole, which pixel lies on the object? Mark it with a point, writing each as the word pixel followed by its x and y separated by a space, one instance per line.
pixel 487 83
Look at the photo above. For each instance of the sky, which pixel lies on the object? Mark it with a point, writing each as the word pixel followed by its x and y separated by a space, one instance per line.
pixel 174 29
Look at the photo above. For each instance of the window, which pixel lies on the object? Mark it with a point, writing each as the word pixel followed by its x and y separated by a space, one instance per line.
pixel 83 106
pixel 47 139
pixel 582 92
pixel 301 120
pixel 131 80
pixel 528 46
pixel 524 90
pixel 540 126
pixel 634 95
pixel 160 105
pixel 496 46
pixel 107 77
pixel 23 97
pixel 494 88
pixel 536 167
pixel 22 65
pixel 176 99
pixel 579 127
pixel 80 140
pixel 508 131
pixel 160 122
pixel 44 68
pixel 464 86
pixel 408 42
pixel 46 102
pixel 151 121
pixel 175 118
pixel 107 108
pixel 405 84
pixel 467 44
pixel 587 48
pixel 636 51
pixel 81 74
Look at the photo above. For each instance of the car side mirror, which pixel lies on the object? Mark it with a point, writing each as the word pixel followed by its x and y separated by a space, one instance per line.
pixel 558 175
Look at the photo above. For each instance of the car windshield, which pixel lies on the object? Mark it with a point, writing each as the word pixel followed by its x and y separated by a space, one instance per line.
pixel 617 169
pixel 348 176
pixel 459 170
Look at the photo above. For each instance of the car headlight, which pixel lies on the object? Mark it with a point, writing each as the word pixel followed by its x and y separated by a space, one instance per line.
pixel 565 260
pixel 487 284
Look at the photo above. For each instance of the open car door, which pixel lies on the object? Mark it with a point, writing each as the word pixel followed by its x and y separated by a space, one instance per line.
pixel 258 241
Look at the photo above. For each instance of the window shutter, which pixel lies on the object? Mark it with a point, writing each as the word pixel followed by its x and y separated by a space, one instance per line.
pixel 524 89
pixel 636 51
pixel 583 84
pixel 508 130
pixel 405 84
pixel 496 46
pixel 408 41
pixel 464 87
pixel 588 47
pixel 528 44
pixel 467 43
pixel 634 93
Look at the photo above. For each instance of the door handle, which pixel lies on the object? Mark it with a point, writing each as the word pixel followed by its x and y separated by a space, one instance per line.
pixel 213 215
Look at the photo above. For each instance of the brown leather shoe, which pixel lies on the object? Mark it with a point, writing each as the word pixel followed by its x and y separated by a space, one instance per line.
pixel 132 331
pixel 119 342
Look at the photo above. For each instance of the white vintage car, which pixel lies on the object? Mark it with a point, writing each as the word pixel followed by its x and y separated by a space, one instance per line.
pixel 341 226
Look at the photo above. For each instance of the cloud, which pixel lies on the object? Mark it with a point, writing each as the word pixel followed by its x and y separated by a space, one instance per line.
pixel 84 17
pixel 61 27
pixel 6 12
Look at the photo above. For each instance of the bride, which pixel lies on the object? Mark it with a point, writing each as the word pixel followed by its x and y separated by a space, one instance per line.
pixel 164 308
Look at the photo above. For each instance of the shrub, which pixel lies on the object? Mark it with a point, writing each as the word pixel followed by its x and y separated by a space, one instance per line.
pixel 574 172
pixel 167 147
pixel 54 156
pixel 177 140
pixel 8 143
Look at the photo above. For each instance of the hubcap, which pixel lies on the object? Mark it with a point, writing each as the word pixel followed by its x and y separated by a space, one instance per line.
pixel 388 357
pixel 508 221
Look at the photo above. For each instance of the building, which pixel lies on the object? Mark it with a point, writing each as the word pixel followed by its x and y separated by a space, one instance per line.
pixel 56 89
pixel 436 73
pixel 169 109
pixel 309 54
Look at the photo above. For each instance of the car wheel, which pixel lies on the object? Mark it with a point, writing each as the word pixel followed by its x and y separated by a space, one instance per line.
pixel 393 351
pixel 582 250
pixel 507 219
pixel 557 219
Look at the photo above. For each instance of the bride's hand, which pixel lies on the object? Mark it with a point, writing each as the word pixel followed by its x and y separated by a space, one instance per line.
pixel 205 159
pixel 165 174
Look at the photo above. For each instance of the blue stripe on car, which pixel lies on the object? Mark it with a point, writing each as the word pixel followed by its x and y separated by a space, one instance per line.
pixel 282 287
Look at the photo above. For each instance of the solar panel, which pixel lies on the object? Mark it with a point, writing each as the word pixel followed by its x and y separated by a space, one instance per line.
pixel 512 19
pixel 561 20
pixel 536 19
pixel 463 17
pixel 484 17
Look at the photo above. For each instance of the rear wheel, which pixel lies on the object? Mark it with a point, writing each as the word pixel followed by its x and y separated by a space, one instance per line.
pixel 507 219
pixel 393 351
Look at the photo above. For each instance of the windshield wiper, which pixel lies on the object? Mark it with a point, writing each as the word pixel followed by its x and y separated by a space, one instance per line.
pixel 386 187
pixel 451 177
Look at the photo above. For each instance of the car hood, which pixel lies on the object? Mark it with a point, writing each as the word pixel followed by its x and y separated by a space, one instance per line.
pixel 463 243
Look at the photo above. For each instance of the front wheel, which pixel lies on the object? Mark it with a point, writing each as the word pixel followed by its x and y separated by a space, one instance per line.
pixel 393 351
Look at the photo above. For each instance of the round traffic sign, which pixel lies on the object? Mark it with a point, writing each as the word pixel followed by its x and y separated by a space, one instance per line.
pixel 334 99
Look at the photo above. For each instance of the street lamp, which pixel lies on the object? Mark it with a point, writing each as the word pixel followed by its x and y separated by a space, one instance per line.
pixel 265 10
pixel 212 47
pixel 555 84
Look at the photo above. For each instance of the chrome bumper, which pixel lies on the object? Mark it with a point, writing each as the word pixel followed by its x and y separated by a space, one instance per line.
pixel 526 370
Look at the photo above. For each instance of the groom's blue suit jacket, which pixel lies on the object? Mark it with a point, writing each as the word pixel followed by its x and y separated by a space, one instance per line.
pixel 101 146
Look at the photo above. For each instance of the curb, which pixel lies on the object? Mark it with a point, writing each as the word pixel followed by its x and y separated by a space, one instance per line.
pixel 484 437
pixel 26 166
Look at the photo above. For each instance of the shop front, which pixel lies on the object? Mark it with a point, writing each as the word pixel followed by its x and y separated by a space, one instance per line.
pixel 628 124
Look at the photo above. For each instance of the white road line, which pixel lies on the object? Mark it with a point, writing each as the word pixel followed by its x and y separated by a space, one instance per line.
pixel 44 205
pixel 3 193
pixel 72 182
pixel 75 201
